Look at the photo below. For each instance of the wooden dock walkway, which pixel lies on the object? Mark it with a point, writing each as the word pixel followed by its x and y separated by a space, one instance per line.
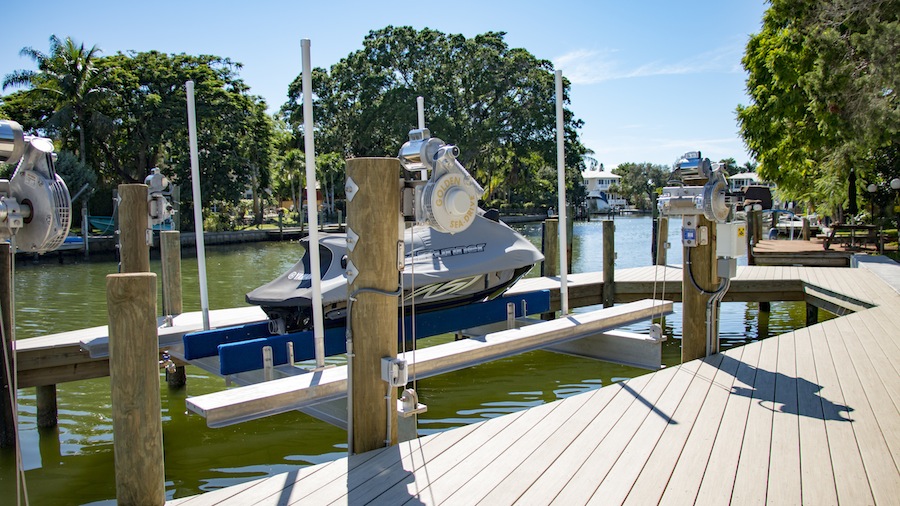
pixel 808 417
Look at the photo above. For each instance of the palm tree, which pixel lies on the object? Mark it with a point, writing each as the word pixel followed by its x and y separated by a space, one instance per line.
pixel 70 78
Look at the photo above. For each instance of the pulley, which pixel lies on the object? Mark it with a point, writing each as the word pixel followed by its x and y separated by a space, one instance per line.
pixel 35 205
pixel 448 201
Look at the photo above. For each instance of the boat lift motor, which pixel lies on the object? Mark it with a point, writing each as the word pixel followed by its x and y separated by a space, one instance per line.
pixel 448 200
pixel 158 190
pixel 712 201
pixel 35 205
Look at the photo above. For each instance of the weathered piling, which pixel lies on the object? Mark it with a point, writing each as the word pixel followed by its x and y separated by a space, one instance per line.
pixel 47 411
pixel 812 314
pixel 700 262
pixel 134 251
pixel 134 380
pixel 373 214
pixel 660 252
pixel 609 263
pixel 8 403
pixel 170 256
pixel 550 247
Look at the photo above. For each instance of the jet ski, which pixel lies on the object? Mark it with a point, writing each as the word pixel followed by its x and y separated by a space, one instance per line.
pixel 442 270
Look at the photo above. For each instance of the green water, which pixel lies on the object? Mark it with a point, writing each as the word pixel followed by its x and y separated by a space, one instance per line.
pixel 73 463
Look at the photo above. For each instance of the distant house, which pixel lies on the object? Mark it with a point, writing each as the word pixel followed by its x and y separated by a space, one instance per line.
pixel 599 199
pixel 738 181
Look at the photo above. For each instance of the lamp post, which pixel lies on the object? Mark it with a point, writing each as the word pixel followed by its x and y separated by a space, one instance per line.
pixel 872 188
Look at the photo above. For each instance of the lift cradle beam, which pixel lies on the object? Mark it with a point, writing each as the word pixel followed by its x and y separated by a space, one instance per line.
pixel 307 390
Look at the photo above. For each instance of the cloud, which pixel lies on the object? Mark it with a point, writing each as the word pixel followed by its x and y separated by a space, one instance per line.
pixel 584 66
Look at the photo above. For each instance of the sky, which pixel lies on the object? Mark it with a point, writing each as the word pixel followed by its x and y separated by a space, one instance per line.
pixel 651 79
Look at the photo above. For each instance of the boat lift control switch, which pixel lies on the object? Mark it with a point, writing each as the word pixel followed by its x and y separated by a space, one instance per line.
pixel 394 371
pixel 692 235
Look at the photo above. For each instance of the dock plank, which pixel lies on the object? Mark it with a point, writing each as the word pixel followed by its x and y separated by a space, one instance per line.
pixel 593 471
pixel 851 482
pixel 706 474
pixel 816 472
pixel 656 472
pixel 508 489
pixel 546 487
pixel 473 490
pixel 871 404
pixel 753 464
pixel 784 467
pixel 620 479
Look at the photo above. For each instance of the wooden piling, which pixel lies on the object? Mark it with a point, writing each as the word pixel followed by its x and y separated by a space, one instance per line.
pixel 133 226
pixel 662 237
pixel 134 380
pixel 47 411
pixel 804 231
pixel 812 314
pixel 373 213
pixel 8 393
pixel 170 255
pixel 550 241
pixel 703 266
pixel 609 263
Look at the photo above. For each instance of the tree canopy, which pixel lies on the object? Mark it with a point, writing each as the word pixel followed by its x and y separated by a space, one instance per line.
pixel 495 102
pixel 128 112
pixel 823 82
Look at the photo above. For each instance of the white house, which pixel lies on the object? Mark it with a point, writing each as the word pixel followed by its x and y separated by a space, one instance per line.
pixel 599 199
pixel 738 181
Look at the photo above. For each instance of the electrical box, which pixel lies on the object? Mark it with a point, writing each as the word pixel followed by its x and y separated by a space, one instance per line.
pixel 726 267
pixel 731 239
pixel 394 371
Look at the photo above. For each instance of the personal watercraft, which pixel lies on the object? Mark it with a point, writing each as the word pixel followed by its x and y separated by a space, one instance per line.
pixel 455 254
pixel 442 270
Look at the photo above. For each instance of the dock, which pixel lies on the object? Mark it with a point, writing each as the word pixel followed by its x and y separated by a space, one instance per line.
pixel 805 417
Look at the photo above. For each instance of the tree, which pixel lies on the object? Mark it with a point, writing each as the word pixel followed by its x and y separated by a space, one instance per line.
pixel 640 182
pixel 71 84
pixel 823 85
pixel 496 103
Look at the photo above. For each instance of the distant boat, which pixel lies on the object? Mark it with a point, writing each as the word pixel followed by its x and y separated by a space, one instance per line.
pixel 106 225
pixel 599 199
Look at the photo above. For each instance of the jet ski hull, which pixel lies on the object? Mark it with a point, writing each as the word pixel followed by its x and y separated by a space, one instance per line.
pixel 441 271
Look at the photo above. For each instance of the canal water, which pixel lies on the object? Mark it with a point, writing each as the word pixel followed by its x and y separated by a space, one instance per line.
pixel 73 463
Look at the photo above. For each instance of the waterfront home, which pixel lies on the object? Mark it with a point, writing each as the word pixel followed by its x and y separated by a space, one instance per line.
pixel 599 199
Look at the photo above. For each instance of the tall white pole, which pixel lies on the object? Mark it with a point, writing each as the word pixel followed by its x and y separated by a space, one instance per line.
pixel 198 204
pixel 561 184
pixel 420 109
pixel 312 208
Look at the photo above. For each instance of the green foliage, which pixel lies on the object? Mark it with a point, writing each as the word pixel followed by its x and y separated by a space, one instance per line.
pixel 496 103
pixel 823 84
pixel 75 173
pixel 127 112
pixel 640 183
pixel 66 90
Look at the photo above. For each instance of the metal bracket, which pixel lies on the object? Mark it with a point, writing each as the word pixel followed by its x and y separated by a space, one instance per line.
pixel 350 189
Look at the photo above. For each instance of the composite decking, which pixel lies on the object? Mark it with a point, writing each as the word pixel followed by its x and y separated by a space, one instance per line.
pixel 808 417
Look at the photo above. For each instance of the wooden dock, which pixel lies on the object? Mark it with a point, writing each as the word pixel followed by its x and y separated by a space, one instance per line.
pixel 64 357
pixel 808 417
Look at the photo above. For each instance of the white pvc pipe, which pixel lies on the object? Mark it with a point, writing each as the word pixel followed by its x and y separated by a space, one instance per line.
pixel 420 109
pixel 312 208
pixel 561 184
pixel 198 204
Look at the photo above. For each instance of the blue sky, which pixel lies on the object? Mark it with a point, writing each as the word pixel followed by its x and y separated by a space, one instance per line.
pixel 652 79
